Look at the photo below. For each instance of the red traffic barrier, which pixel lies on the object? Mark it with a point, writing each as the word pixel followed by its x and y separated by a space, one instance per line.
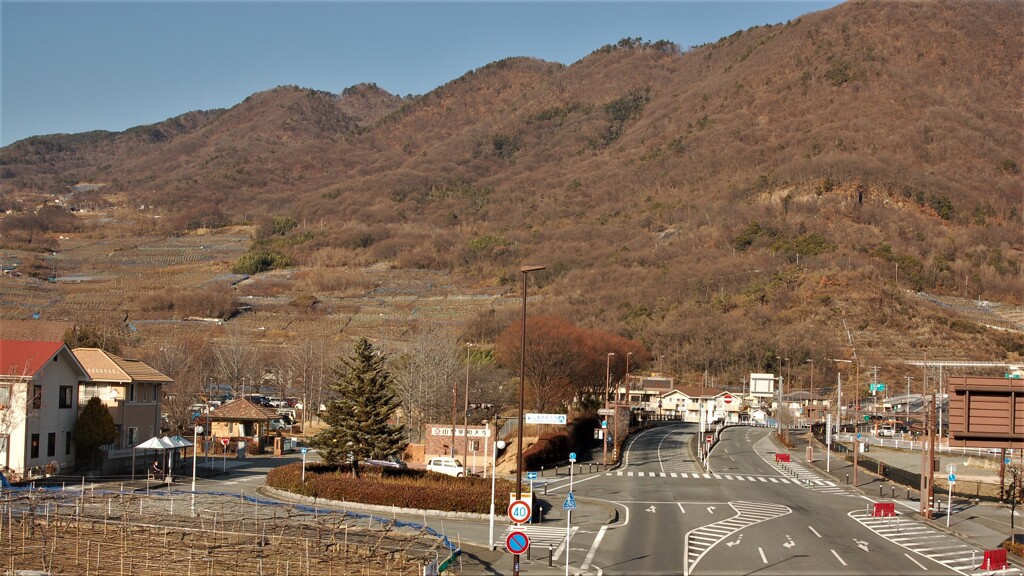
pixel 994 560
pixel 884 509
pixel 780 457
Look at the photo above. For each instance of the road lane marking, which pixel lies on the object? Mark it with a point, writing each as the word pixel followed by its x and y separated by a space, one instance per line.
pixel 815 531
pixel 838 557
pixel 911 558
pixel 761 552
pixel 681 509
pixel 593 549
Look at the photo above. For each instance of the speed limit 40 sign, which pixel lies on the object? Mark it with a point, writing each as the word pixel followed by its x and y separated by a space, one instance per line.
pixel 519 511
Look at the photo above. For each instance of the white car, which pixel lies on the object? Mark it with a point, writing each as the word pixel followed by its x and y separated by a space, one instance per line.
pixel 449 466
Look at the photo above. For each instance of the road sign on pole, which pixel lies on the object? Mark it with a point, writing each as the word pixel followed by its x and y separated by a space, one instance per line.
pixel 531 475
pixel 572 456
pixel 605 411
pixel 517 542
pixel 225 441
pixel 570 502
pixel 532 418
pixel 519 512
pixel 727 399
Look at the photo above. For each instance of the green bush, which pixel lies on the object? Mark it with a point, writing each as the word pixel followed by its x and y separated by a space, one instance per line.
pixel 260 261
pixel 404 488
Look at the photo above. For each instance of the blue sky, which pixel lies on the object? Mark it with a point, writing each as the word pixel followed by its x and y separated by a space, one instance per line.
pixel 75 66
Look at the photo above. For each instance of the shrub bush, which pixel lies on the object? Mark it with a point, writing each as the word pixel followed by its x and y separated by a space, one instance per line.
pixel 404 488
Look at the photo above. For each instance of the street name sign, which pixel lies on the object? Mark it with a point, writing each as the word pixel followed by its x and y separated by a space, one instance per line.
pixel 605 411
pixel 534 418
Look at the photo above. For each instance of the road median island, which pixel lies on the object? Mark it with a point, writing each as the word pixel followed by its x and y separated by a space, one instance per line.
pixel 385 489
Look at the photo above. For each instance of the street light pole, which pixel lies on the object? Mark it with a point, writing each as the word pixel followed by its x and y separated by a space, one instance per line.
pixel 465 419
pixel 525 270
pixel 607 380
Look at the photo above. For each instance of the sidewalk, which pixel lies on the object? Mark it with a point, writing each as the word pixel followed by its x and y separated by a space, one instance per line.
pixel 986 524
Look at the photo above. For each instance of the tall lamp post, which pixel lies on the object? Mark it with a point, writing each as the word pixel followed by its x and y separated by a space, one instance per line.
pixel 810 399
pixel 465 418
pixel 522 399
pixel 607 381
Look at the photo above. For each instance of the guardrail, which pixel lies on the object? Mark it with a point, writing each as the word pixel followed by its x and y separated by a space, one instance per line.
pixel 914 445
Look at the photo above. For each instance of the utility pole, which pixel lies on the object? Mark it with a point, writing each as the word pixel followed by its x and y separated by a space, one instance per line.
pixel 927 462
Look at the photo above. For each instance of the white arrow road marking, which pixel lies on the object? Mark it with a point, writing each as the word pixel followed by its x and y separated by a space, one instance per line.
pixel 841 561
pixel 734 542
pixel 761 551
pixel 861 544
pixel 711 509
pixel 916 562
pixel 815 531
pixel 790 542
pixel 652 509
pixel 681 509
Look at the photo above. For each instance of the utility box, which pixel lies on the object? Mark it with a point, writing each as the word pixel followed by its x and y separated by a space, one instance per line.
pixel 863 447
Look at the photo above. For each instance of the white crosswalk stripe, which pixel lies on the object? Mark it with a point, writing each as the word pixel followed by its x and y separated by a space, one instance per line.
pixel 928 542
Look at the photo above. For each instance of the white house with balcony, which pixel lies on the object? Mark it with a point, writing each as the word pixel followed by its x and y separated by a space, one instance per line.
pixel 38 406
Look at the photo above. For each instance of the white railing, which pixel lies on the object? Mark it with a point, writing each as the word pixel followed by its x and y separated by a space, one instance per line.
pixel 903 444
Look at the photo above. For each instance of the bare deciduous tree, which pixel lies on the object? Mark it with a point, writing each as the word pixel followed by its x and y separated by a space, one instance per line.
pixel 425 374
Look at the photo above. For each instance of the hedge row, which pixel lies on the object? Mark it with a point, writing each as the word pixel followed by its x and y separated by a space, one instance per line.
pixel 404 488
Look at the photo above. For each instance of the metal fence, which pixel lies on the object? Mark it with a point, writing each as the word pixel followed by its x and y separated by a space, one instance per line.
pixel 182 533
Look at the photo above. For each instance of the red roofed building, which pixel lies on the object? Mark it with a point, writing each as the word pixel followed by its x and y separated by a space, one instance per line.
pixel 38 405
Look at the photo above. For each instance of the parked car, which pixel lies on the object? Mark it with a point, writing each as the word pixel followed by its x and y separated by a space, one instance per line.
pixel 389 462
pixel 887 430
pixel 279 424
pixel 449 466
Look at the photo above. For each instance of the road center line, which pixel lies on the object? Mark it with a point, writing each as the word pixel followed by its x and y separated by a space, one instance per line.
pixel 915 561
pixel 815 531
pixel 841 561
pixel 593 549
pixel 763 559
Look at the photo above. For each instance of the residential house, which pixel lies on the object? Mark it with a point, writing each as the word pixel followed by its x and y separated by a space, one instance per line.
pixel 686 403
pixel 38 406
pixel 131 390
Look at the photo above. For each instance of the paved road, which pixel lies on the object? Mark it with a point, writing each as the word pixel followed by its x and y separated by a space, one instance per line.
pixel 750 515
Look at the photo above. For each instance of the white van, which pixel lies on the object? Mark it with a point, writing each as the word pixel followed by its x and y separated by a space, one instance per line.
pixel 449 466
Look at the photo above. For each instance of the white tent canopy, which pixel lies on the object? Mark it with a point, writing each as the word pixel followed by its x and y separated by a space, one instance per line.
pixel 164 443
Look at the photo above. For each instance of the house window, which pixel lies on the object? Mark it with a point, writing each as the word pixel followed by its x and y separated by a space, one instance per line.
pixel 131 392
pixel 92 391
pixel 37 396
pixel 51 444
pixel 34 449
pixel 5 396
pixel 133 436
pixel 67 443
pixel 65 397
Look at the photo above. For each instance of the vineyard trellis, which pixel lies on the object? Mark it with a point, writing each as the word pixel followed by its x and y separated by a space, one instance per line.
pixel 101 533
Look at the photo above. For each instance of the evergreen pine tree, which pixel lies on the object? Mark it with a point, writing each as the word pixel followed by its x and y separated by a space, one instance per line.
pixel 94 428
pixel 364 401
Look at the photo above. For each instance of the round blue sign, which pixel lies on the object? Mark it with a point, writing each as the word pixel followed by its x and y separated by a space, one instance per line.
pixel 303 450
pixel 952 477
pixel 517 542
pixel 572 455
pixel 858 435
pixel 604 423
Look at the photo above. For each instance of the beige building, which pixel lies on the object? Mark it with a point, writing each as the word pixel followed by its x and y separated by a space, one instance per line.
pixel 131 390
pixel 241 419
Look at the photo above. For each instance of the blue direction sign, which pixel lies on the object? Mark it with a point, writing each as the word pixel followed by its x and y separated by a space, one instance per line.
pixel 604 423
pixel 572 456
pixel 303 449
pixel 531 475
pixel 570 502
pixel 517 542
pixel 952 478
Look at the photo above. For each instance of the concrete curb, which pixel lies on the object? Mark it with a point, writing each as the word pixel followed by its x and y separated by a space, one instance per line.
pixel 374 508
